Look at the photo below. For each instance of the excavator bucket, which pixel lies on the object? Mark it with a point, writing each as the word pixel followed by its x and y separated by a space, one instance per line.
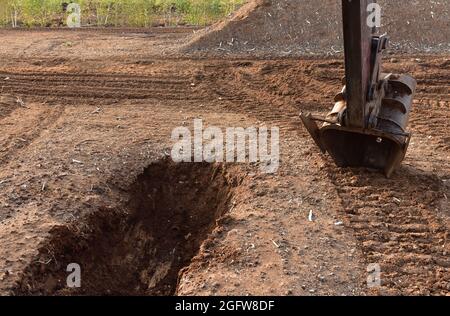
pixel 382 147
pixel 367 126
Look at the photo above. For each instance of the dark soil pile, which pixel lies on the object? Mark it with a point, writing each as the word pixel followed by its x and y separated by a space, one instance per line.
pixel 299 27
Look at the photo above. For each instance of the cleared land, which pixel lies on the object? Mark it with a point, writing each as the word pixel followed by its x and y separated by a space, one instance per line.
pixel 85 175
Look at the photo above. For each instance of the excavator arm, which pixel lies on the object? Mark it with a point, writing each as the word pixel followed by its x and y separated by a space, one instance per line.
pixel 367 126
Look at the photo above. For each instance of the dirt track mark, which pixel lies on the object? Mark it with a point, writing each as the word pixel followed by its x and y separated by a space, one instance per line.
pixel 23 126
pixel 245 93
pixel 8 104
pixel 400 225
pixel 110 86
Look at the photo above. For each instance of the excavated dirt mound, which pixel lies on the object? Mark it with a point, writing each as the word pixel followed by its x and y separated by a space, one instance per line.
pixel 298 27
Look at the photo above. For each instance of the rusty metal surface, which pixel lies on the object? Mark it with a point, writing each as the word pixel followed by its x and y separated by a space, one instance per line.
pixel 350 147
pixel 396 105
pixel 357 44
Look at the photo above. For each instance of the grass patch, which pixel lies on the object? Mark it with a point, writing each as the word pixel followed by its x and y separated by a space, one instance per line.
pixel 132 13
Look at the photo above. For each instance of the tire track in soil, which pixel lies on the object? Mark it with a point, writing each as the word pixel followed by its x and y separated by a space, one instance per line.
pixel 399 225
pixel 277 91
pixel 402 223
pixel 110 86
pixel 31 128
pixel 234 87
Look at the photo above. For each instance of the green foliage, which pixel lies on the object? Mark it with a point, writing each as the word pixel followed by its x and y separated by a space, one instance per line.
pixel 135 13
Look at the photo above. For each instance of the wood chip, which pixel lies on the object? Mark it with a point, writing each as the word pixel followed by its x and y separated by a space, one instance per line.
pixel 311 216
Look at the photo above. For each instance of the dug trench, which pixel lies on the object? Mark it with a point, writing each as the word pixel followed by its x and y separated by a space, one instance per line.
pixel 170 210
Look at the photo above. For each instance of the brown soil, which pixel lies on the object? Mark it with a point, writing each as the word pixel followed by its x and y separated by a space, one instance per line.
pixel 85 154
pixel 299 27
pixel 144 245
pixel 8 104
